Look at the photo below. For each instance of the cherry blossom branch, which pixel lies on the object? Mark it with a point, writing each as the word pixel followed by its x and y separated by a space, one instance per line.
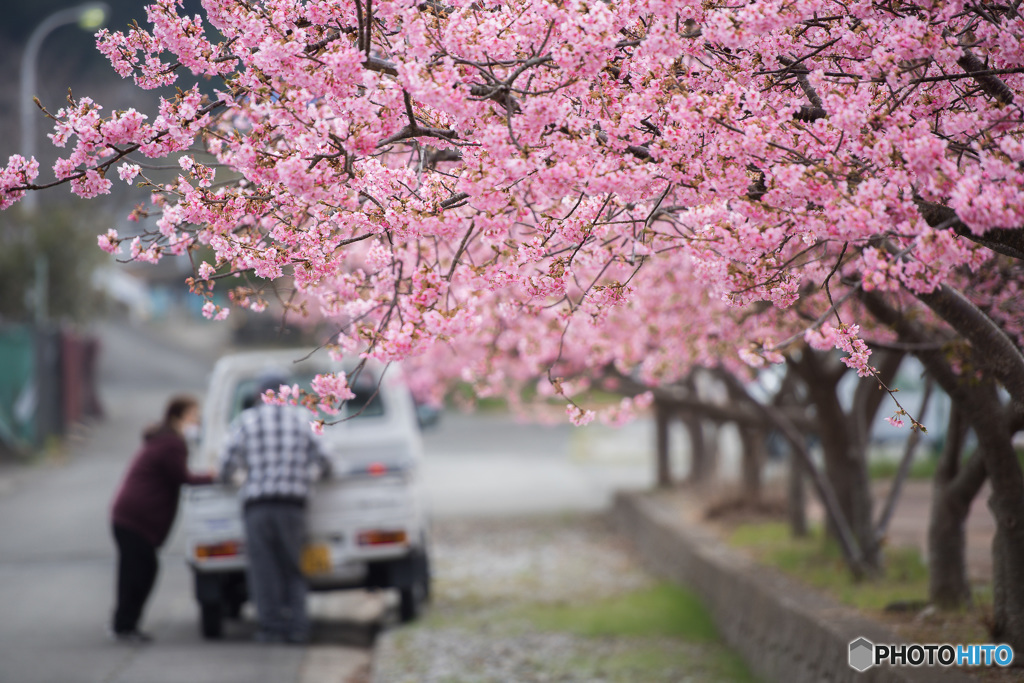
pixel 990 83
pixel 996 350
pixel 909 449
pixel 118 153
pixel 1008 241
pixel 460 251
pixel 817 109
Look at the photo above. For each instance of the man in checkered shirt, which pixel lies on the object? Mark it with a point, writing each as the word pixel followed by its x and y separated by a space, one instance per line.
pixel 275 448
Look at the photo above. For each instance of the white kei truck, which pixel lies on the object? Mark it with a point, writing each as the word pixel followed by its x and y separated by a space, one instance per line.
pixel 366 523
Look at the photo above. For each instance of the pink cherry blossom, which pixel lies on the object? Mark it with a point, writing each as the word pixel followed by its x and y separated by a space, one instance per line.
pixel 536 191
pixel 110 242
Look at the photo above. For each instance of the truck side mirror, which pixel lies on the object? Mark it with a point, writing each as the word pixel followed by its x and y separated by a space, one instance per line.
pixel 427 416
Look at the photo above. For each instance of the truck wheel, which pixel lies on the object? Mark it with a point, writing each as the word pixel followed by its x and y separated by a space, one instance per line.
pixel 410 604
pixel 233 609
pixel 211 620
pixel 412 598
pixel 427 579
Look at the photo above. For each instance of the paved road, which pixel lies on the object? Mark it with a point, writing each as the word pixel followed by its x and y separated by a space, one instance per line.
pixel 57 558
pixel 487 465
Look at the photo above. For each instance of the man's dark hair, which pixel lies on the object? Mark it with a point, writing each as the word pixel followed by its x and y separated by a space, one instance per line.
pixel 270 380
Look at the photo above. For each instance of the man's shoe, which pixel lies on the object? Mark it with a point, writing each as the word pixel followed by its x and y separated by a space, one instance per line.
pixel 268 637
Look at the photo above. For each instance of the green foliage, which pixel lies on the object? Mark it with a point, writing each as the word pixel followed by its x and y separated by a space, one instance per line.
pixel 657 634
pixel 818 562
pixel 67 238
pixel 921 469
pixel 660 624
pixel 662 610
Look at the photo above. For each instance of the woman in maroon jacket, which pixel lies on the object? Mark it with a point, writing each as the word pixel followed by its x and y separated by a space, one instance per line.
pixel 144 510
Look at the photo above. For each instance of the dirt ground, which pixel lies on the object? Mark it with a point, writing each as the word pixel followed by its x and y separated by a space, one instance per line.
pixel 909 525
pixel 908 528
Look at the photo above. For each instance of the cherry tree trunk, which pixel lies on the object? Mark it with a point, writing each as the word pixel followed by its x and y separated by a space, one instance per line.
pixel 1007 505
pixel 701 463
pixel 847 471
pixel 662 461
pixel 844 456
pixel 948 587
pixel 796 497
pixel 752 464
pixel 984 412
pixel 752 455
pixel 953 492
pixel 991 423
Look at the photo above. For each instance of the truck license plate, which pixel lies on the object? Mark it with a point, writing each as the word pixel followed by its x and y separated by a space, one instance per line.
pixel 316 559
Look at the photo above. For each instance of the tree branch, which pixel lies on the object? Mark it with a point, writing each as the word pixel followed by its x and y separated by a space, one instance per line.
pixel 817 109
pixel 1006 241
pixel 993 347
pixel 993 86
pixel 909 449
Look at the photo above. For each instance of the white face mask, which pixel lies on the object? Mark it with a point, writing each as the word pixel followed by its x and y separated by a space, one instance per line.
pixel 191 432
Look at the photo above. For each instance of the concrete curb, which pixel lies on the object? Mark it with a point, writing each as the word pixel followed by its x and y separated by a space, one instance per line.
pixel 785 632
pixel 384 653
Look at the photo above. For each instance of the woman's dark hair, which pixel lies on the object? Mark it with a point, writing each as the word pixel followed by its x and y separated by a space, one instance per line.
pixel 177 407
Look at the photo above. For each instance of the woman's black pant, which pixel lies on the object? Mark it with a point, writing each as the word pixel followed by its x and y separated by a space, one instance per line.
pixel 136 574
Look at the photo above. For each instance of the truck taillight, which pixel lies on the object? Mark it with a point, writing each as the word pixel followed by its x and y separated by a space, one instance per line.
pixel 214 550
pixel 378 469
pixel 381 537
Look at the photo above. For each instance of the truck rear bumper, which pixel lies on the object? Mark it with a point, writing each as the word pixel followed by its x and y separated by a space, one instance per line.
pixel 213 582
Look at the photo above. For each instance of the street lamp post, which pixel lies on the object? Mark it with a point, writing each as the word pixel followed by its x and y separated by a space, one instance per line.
pixel 40 401
pixel 89 16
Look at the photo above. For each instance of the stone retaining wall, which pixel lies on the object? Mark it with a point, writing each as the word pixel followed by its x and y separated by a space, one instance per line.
pixel 785 632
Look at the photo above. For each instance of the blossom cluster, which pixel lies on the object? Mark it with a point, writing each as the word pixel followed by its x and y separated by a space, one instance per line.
pixel 509 191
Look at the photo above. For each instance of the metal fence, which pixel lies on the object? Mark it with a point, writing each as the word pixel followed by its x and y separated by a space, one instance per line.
pixel 47 384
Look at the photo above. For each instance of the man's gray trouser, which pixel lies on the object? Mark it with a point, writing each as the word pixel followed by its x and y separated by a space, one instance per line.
pixel 274 532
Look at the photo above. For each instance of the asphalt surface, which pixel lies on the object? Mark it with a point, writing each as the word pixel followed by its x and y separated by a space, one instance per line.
pixel 57 556
pixel 483 465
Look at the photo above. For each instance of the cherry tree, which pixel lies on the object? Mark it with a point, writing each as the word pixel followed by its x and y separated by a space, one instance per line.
pixel 507 173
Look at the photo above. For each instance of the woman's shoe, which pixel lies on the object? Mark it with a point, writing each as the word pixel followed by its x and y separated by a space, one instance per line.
pixel 133 637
